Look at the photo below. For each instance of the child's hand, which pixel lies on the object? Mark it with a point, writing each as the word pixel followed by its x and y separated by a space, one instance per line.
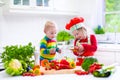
pixel 53 51
pixel 59 51
pixel 76 47
pixel 80 53
pixel 80 48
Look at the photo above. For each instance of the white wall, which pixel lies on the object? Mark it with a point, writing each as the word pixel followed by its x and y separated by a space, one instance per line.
pixel 88 9
pixel 21 29
pixel 24 28
pixel 0 26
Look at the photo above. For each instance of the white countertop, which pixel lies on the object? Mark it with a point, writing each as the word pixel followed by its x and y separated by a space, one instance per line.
pixel 109 47
pixel 101 47
pixel 114 76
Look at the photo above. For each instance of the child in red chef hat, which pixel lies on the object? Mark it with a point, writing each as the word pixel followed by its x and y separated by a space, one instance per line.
pixel 84 45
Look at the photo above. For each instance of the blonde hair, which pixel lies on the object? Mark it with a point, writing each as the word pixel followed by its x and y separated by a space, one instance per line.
pixel 83 30
pixel 48 25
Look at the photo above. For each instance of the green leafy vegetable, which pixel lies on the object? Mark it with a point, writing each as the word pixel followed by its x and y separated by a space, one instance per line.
pixel 14 67
pixel 99 30
pixel 22 53
pixel 87 62
pixel 64 36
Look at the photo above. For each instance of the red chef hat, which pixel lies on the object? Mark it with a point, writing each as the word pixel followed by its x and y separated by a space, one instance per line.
pixel 75 23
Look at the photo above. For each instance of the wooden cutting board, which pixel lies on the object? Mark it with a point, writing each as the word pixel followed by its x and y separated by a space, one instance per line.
pixel 62 71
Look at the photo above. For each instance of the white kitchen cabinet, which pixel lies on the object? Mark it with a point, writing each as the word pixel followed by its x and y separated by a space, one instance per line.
pixel 31 4
pixel 105 57
pixel 54 7
pixel 27 6
pixel 117 58
pixel 108 53
pixel 1 3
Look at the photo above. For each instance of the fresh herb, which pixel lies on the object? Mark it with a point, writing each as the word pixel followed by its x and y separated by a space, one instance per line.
pixel 99 30
pixel 22 53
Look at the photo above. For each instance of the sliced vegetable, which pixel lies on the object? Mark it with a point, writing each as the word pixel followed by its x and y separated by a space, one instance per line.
pixel 72 65
pixel 64 61
pixel 36 71
pixel 28 74
pixel 36 66
pixel 44 62
pixel 79 72
pixel 101 74
pixel 53 64
pixel 94 67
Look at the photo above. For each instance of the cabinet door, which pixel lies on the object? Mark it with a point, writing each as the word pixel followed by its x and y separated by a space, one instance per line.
pixel 105 58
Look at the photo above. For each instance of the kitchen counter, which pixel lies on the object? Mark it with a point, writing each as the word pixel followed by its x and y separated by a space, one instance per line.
pixel 109 47
pixel 114 76
pixel 101 47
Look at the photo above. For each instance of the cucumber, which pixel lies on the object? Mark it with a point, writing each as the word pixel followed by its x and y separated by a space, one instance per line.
pixel 101 74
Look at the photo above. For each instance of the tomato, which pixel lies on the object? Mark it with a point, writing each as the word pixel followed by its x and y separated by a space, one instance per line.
pixel 81 72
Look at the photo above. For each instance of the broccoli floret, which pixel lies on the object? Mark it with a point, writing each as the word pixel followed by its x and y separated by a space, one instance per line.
pixel 87 62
